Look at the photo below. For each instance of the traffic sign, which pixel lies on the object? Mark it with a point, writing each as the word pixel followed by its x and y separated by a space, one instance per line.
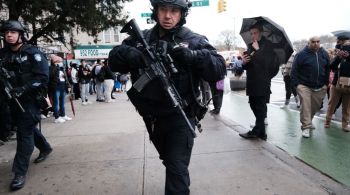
pixel 150 21
pixel 200 3
pixel 146 15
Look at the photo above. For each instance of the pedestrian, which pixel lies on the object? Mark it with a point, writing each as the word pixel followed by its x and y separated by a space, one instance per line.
pixel 108 83
pixel 217 96
pixel 260 64
pixel 290 89
pixel 84 77
pixel 193 57
pixel 74 75
pixel 58 82
pixel 124 78
pixel 237 68
pixel 30 71
pixel 98 75
pixel 332 75
pixel 340 88
pixel 310 74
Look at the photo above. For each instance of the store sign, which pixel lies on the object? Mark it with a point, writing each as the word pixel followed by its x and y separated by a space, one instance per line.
pixel 91 53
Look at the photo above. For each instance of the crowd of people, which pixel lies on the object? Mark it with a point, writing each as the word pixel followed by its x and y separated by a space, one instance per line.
pixel 79 81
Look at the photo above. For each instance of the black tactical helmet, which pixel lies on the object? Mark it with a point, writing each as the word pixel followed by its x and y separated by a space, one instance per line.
pixel 184 4
pixel 13 25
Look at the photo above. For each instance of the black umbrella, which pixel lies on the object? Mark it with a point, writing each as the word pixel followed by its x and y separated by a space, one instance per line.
pixel 341 33
pixel 271 31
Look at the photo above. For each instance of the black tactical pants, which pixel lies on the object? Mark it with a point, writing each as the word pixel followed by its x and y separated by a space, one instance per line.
pixel 174 142
pixel 28 135
pixel 5 121
pixel 259 108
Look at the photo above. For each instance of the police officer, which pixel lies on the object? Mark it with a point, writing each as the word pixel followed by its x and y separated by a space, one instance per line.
pixel 194 58
pixel 29 71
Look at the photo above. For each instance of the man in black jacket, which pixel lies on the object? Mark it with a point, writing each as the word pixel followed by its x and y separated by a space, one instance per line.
pixel 30 72
pixel 310 73
pixel 259 62
pixel 194 58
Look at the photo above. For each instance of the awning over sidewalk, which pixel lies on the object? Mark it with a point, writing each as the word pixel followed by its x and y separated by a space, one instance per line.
pixel 92 51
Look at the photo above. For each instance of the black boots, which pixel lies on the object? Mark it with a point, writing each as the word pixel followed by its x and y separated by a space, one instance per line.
pixel 17 182
pixel 253 135
pixel 42 156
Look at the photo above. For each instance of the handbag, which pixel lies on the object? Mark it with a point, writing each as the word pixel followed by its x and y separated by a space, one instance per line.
pixel 344 81
pixel 220 85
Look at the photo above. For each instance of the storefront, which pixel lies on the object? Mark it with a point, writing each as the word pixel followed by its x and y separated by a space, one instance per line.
pixel 92 51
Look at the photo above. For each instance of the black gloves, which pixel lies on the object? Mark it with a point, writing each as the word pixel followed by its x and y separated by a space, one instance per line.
pixel 184 55
pixel 17 91
pixel 135 57
pixel 122 58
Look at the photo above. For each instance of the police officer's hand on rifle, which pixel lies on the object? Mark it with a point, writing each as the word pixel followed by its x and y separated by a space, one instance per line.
pixel 17 91
pixel 133 57
pixel 184 54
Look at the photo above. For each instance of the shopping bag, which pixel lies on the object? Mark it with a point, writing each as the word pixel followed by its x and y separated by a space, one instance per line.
pixel 220 85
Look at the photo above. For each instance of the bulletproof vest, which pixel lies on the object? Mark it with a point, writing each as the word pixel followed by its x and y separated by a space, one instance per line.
pixel 19 65
pixel 152 100
pixel 12 63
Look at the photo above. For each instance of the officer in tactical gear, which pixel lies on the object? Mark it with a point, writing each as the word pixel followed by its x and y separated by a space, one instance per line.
pixel 29 70
pixel 195 59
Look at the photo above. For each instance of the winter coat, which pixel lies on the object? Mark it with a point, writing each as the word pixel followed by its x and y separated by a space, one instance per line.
pixel 261 69
pixel 311 68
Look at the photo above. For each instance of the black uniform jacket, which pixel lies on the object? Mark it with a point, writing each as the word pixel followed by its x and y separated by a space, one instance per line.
pixel 152 100
pixel 29 68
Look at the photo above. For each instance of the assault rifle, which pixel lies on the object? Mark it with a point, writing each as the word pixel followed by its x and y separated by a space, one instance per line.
pixel 4 79
pixel 156 69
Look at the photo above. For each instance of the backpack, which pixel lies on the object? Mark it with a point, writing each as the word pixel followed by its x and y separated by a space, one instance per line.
pixel 123 78
pixel 101 75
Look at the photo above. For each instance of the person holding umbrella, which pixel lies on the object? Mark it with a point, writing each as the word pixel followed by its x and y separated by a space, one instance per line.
pixel 310 73
pixel 260 63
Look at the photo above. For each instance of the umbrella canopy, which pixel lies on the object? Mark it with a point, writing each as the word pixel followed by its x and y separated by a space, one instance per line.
pixel 271 31
pixel 342 33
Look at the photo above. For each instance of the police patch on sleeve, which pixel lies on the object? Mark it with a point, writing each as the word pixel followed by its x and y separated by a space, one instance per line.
pixel 37 57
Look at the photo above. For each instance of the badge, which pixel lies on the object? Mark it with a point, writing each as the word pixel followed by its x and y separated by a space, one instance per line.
pixel 37 57
pixel 24 58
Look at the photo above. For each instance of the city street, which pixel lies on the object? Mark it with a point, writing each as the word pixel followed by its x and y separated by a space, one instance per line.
pixel 105 150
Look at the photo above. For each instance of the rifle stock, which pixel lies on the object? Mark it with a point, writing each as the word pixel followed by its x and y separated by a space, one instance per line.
pixel 156 69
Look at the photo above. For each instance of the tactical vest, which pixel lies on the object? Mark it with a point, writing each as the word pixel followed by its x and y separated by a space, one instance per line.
pixel 152 100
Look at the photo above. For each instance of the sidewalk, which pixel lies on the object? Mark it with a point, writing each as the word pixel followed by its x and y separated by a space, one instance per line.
pixel 105 150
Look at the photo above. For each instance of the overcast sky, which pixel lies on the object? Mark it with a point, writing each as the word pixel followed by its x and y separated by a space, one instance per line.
pixel 301 19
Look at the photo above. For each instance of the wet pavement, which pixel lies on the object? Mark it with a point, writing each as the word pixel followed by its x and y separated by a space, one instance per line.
pixel 327 150
pixel 105 149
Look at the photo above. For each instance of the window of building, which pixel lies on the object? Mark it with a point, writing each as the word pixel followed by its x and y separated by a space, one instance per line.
pixel 111 35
